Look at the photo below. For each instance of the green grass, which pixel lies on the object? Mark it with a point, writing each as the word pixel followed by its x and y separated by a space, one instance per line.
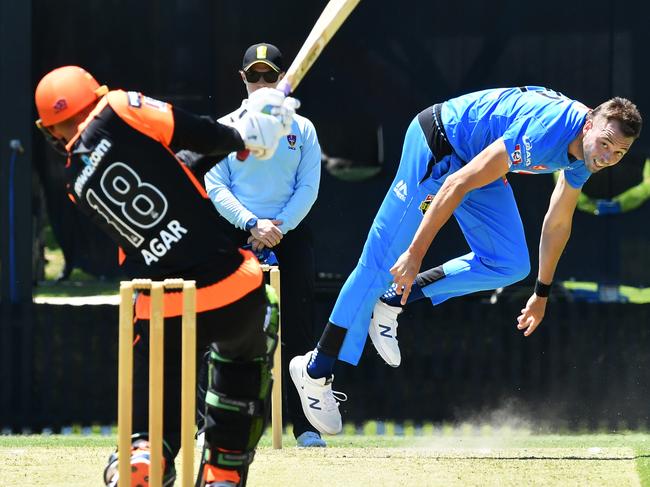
pixel 75 287
pixel 79 283
pixel 448 456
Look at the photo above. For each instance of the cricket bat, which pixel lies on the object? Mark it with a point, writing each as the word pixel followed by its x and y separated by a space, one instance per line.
pixel 334 14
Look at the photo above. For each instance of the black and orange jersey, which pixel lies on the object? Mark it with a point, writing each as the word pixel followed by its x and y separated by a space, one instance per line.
pixel 122 172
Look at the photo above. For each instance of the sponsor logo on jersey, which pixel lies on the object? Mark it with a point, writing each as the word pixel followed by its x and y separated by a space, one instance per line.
pixel 426 203
pixel 134 99
pixel 401 190
pixel 516 155
pixel 91 161
pixel 540 167
pixel 159 246
pixel 153 103
pixel 291 138
pixel 528 145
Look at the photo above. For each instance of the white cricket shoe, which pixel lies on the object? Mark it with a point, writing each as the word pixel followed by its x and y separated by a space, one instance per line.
pixel 383 332
pixel 319 403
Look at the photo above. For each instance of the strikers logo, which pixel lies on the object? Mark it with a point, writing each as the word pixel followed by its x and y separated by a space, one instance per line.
pixel 424 206
pixel 292 141
pixel 516 155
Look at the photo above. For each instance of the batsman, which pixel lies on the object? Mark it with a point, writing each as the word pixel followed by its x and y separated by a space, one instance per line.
pixel 121 172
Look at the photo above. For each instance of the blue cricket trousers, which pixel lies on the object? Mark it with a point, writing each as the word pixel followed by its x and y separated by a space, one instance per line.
pixel 488 218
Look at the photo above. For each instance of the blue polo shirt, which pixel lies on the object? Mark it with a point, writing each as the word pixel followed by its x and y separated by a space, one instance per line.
pixel 283 187
pixel 536 124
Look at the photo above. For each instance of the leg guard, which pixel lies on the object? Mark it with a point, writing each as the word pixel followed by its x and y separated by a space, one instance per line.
pixel 237 402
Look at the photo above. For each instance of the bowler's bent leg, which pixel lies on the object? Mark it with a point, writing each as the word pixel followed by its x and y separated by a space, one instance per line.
pixel 392 230
pixel 490 222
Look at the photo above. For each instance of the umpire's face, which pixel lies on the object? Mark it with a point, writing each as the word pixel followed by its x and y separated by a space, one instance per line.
pixel 260 75
pixel 603 144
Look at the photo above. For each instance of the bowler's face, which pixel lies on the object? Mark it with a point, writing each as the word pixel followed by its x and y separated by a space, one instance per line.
pixel 604 144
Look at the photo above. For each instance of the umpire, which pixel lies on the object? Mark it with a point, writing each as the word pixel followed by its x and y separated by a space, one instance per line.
pixel 266 201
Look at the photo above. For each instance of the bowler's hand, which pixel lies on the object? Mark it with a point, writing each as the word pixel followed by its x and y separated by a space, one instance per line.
pixel 404 271
pixel 267 232
pixel 532 315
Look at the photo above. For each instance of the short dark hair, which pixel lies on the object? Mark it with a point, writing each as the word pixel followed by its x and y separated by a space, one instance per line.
pixel 624 112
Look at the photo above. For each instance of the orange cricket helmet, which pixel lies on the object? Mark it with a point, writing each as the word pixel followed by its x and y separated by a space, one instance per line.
pixel 64 92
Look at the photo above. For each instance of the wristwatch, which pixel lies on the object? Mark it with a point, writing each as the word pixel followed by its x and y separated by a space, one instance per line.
pixel 251 223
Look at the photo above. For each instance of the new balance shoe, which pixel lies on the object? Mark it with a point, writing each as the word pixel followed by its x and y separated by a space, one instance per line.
pixel 319 403
pixel 383 332
pixel 310 439
pixel 214 476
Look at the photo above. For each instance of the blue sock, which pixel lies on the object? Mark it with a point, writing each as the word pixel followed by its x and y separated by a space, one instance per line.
pixel 320 365
pixel 391 298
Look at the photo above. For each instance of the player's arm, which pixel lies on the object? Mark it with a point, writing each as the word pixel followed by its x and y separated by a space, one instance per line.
pixel 204 136
pixel 172 126
pixel 258 129
pixel 307 182
pixel 218 185
pixel 555 234
pixel 556 228
pixel 267 117
pixel 489 165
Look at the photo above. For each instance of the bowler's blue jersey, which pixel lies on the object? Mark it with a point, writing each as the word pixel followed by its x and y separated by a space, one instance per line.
pixel 536 124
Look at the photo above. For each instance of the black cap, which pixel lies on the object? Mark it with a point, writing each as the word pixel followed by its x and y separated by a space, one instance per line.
pixel 263 53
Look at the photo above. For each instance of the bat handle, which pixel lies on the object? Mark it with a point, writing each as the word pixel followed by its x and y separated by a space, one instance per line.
pixel 242 155
pixel 285 87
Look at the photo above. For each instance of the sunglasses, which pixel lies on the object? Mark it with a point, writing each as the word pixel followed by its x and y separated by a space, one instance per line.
pixel 255 76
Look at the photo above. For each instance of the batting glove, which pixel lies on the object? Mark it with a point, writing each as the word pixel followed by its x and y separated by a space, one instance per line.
pixel 260 132
pixel 273 102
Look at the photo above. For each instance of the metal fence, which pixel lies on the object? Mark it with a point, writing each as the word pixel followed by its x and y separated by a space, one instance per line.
pixel 587 366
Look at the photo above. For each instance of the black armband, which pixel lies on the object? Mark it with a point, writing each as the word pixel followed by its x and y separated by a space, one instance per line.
pixel 542 290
